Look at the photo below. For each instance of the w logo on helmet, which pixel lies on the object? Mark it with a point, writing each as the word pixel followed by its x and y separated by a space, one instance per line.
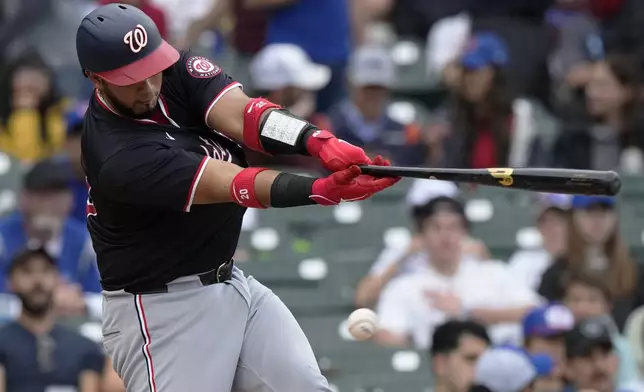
pixel 137 39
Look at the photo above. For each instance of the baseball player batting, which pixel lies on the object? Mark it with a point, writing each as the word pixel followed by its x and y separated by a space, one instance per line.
pixel 169 186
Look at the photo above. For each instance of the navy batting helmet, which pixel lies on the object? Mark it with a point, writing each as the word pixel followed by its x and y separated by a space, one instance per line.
pixel 122 45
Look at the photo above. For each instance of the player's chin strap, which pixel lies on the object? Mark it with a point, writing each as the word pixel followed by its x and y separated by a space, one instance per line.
pixel 280 132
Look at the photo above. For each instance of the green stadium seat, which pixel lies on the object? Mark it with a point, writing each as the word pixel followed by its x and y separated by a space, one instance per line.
pixel 279 273
pixel 632 187
pixel 388 382
pixel 307 301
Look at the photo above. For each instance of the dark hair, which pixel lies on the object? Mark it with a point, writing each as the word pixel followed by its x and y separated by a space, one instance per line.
pixel 28 59
pixel 435 205
pixel 27 254
pixel 627 70
pixel 496 109
pixel 447 336
pixel 622 271
pixel 589 279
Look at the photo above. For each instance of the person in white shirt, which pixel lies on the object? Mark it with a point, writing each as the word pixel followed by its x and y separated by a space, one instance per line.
pixel 410 258
pixel 453 286
pixel 527 265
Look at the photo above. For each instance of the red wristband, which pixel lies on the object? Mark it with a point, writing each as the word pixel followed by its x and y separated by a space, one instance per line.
pixel 242 189
pixel 252 116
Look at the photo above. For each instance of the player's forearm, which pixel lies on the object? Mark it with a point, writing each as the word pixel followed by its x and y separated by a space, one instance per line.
pixel 266 127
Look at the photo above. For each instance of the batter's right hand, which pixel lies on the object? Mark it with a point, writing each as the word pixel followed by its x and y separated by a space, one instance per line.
pixel 350 185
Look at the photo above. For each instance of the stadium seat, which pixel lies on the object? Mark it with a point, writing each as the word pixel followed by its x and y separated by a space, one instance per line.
pixel 388 382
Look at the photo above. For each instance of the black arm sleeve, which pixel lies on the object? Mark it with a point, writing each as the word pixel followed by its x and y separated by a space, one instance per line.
pixel 153 176
pixel 203 81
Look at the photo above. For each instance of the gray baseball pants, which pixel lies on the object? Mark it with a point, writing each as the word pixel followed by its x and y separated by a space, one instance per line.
pixel 236 336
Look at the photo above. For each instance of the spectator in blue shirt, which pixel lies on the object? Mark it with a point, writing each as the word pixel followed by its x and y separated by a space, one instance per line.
pixel 592 359
pixel 36 355
pixel 321 28
pixel 43 220
pixel 364 118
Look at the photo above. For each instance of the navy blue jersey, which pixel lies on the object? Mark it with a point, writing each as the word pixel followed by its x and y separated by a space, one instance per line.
pixel 143 173
pixel 42 363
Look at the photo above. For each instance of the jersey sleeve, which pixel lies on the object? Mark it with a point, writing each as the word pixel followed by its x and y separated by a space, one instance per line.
pixel 204 82
pixel 152 175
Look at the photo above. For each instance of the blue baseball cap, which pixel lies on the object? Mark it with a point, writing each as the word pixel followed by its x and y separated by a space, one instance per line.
pixel 510 368
pixel 583 201
pixel 122 45
pixel 485 49
pixel 550 320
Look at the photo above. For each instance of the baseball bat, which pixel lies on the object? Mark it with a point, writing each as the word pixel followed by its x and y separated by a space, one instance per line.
pixel 570 181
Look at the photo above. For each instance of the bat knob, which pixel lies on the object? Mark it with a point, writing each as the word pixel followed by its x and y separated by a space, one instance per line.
pixel 614 183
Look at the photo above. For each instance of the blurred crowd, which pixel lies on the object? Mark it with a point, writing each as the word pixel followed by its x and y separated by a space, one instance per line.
pixel 548 83
pixel 559 315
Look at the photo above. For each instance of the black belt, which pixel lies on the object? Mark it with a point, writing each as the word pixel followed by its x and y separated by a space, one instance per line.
pixel 219 275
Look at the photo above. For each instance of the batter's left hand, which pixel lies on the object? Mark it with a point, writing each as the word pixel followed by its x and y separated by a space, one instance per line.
pixel 335 154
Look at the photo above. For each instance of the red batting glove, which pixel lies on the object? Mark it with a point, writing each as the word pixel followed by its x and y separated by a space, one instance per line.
pixel 335 154
pixel 350 185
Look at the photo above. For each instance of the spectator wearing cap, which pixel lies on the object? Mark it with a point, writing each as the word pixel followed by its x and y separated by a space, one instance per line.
pixel 587 295
pixel 364 119
pixel 552 223
pixel 32 124
pixel 608 136
pixel 543 332
pixel 43 220
pixel 491 126
pixel 321 28
pixel 481 107
pixel 592 361
pixel 454 354
pixel 511 369
pixel 595 245
pixel 285 74
pixel 36 354
pixel 453 285
pixel 409 257
pixel 446 41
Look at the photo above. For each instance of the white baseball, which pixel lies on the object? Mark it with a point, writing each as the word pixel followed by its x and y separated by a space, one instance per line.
pixel 362 323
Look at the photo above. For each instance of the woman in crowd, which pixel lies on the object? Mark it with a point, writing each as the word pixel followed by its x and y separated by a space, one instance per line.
pixel 596 246
pixel 481 108
pixel 32 121
pixel 609 135
pixel 491 126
